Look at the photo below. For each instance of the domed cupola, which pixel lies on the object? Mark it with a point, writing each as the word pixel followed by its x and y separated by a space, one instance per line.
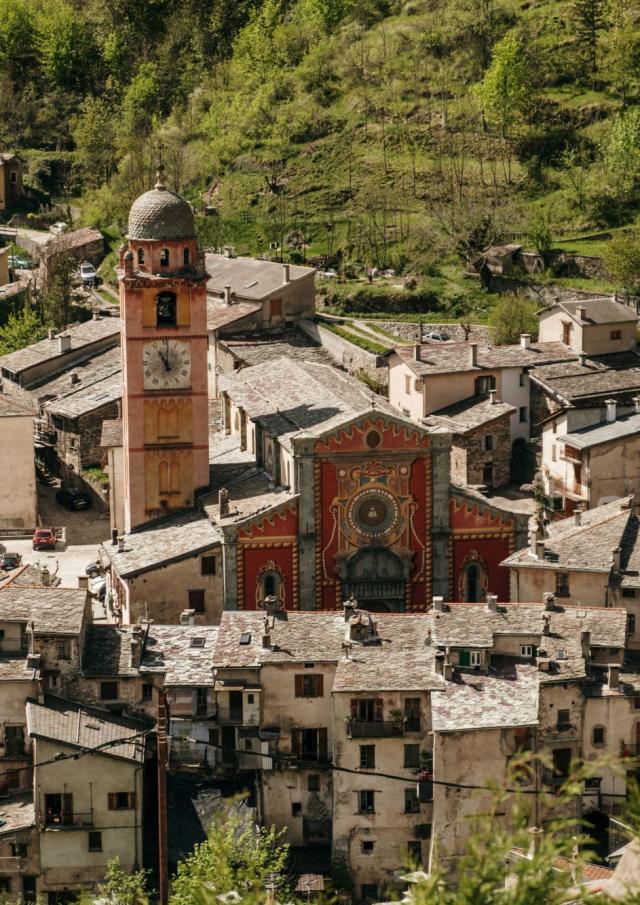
pixel 161 215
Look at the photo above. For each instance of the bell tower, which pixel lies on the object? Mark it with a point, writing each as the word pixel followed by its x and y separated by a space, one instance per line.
pixel 163 305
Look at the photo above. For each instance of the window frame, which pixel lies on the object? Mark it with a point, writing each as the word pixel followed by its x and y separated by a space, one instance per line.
pixel 197 600
pixel 110 683
pixel 94 847
pixel 410 763
pixel 211 565
pixel 366 795
pixel 367 757
pixel 115 801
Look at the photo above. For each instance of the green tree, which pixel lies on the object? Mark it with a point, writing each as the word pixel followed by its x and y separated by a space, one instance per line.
pixel 621 47
pixel 511 316
pixel 622 260
pixel 622 157
pixel 18 47
pixel 121 888
pixel 589 20
pixel 69 52
pixel 20 330
pixel 95 140
pixel 236 856
pixel 506 87
pixel 58 292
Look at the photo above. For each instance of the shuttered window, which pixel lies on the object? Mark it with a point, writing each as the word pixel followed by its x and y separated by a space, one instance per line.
pixel 309 685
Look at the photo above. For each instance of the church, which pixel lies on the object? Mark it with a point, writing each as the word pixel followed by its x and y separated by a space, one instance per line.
pixel 297 482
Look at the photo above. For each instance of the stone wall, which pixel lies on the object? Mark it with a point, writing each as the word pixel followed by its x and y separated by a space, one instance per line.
pixel 416 332
pixel 349 356
pixel 469 456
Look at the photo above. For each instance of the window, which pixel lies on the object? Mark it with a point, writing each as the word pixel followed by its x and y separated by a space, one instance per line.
pixel 141 256
pixel 58 809
pixel 275 308
pixel 598 736
pixel 366 710
pixel 557 504
pixel 202 695
pixel 52 680
pixel 487 474
pixel 418 386
pixel 368 846
pixel 523 379
pixel 366 801
pixel 250 699
pixel 64 649
pixel 196 601
pixel 296 808
pixel 369 892
pixel 631 623
pixel 407 384
pixel 19 849
pixel 367 757
pixel 470 658
pixel 563 720
pixel 109 691
pixel 554 452
pixel 412 714
pixel 95 841
pixel 309 744
pixel 561 762
pixel 313 782
pixel 484 384
pixel 14 741
pixel 628 592
pixel 527 650
pixel 616 334
pixel 414 852
pixel 488 442
pixel 166 309
pixel 523 414
pixel 208 565
pixel 561 654
pixel 310 685
pixel 411 801
pixel 121 801
pixel 164 257
pixel 248 744
pixel 522 738
pixel 185 257
pixel 562 584
pixel 5 884
pixel 566 333
pixel 147 691
pixel 412 756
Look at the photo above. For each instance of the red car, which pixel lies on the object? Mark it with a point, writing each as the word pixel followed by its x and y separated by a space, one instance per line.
pixel 44 539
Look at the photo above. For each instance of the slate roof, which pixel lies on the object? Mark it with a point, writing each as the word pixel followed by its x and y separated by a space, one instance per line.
pixel 219 314
pixel 296 637
pixel 107 651
pixel 604 310
pixel 585 547
pixel 111 433
pixel 295 345
pixel 616 375
pixel 12 406
pixel 17 669
pixel 403 661
pixel 93 371
pixel 161 543
pixel 168 649
pixel 251 492
pixel 82 335
pixel 76 238
pixel 17 813
pixel 54 611
pixel 249 278
pixel 28 575
pixel 487 702
pixel 604 432
pixel 77 726
pixel 88 399
pixel 448 358
pixel 469 414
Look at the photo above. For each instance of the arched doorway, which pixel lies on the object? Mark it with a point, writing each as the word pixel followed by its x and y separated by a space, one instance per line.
pixel 473 580
pixel 376 577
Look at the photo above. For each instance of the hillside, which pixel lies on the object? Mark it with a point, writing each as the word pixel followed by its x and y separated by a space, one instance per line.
pixel 405 135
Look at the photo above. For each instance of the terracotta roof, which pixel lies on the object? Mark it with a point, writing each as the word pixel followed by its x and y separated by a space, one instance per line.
pixel 448 358
pixel 161 543
pixel 77 726
pixel 82 335
pixel 249 278
pixel 469 414
pixel 111 433
pixel 54 611
pixel 487 702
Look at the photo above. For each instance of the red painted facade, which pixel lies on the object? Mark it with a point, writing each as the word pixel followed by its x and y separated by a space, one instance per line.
pixel 269 547
pixel 479 536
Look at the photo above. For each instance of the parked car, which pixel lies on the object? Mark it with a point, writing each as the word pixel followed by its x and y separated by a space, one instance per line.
pixel 437 338
pixel 17 262
pixel 93 570
pixel 88 274
pixel 44 539
pixel 58 228
pixel 9 561
pixel 72 498
pixel 98 588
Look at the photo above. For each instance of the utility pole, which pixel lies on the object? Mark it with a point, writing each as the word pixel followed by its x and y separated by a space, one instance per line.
pixel 163 865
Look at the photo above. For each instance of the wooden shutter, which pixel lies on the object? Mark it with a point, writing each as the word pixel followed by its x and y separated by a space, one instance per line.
pixel 322 744
pixel 296 742
pixel 378 709
pixel 320 686
pixel 67 805
pixel 464 658
pixel 354 709
pixel 299 689
pixel 113 801
pixel 183 317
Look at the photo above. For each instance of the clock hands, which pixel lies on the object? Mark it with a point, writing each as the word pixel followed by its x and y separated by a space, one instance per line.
pixel 165 358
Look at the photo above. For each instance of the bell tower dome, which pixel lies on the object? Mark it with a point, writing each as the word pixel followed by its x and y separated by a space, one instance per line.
pixel 163 305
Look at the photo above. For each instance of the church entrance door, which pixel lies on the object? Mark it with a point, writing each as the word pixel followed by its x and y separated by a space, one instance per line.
pixel 376 578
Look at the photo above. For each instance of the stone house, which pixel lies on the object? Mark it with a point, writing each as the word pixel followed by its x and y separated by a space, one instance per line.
pixel 86 244
pixel 11 188
pixel 18 497
pixel 481 442
pixel 595 326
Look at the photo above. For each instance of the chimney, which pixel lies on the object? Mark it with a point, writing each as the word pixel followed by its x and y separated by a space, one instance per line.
pixel 473 354
pixel 135 652
pixel 540 549
pixel 45 577
pixel 121 545
pixel 418 348
pixel 448 671
pixel 546 624
pixel 615 559
pixel 114 537
pixel 613 678
pixel 438 604
pixel 492 396
pixel 535 835
pixel 223 502
pixel 96 315
pixel 610 411
pixel 227 295
pixel 286 273
pixel 581 312
pixel 492 603
pixel 51 333
pixel 64 342
pixel 582 359
pixel 349 608
pixel 549 600
pixel 73 378
pixel 534 537
pixel 585 641
pixel 577 516
pixel 187 617
pixel 266 636
pixel 525 340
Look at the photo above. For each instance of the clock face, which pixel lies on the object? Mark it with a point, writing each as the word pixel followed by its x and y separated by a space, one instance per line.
pixel 167 365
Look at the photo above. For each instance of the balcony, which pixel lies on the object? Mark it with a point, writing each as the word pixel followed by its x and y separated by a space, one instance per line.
pixel 230 716
pixel 75 821
pixel 629 749
pixel 374 728
pixel 189 710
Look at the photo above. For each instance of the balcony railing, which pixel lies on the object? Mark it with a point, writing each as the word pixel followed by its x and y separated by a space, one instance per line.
pixel 75 821
pixel 412 724
pixel 630 749
pixel 230 716
pixel 189 709
pixel 374 728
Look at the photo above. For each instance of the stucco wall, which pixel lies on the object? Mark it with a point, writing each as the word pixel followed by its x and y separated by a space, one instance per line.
pixel 18 496
pixel 587 588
